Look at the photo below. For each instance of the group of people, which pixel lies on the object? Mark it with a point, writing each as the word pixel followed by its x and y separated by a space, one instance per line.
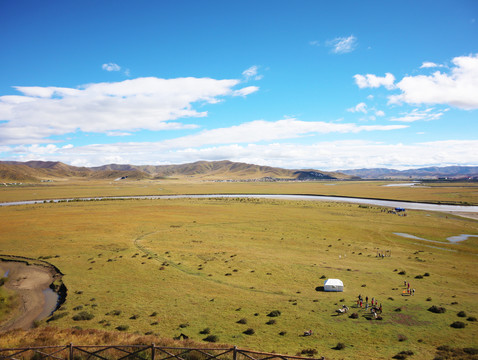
pixel 374 306
pixel 409 291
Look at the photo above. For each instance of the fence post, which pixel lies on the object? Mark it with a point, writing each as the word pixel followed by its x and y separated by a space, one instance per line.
pixel 234 353
pixel 153 348
pixel 71 351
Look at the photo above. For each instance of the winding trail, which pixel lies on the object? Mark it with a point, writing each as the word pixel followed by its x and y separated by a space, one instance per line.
pixel 162 260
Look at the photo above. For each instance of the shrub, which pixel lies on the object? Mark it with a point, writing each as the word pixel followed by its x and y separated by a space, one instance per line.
pixel 437 309
pixel 249 332
pixel 471 318
pixel 57 316
pixel 426 274
pixel 282 333
pixel 154 314
pixel 205 331
pixel 134 317
pixel 242 321
pixel 323 277
pixel 419 277
pixel 403 354
pixel 403 272
pixel 274 313
pixel 77 308
pixel 182 326
pixel 122 327
pixel 211 338
pixel 402 337
pixel 309 352
pixel 271 322
pixel 429 299
pixel 339 346
pixel 471 351
pixel 354 316
pixel 458 325
pixel 84 315
pixel 461 314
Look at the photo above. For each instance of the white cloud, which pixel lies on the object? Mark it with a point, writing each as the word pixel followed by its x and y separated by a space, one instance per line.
pixel 360 107
pixel 373 81
pixel 459 89
pixel 143 103
pixel 246 91
pixel 252 73
pixel 343 45
pixel 111 67
pixel 379 113
pixel 326 155
pixel 429 64
pixel 417 115
pixel 314 43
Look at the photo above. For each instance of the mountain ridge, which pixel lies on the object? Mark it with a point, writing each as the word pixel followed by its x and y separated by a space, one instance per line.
pixel 205 170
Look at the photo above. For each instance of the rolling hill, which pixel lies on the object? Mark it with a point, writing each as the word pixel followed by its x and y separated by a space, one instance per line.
pixel 204 170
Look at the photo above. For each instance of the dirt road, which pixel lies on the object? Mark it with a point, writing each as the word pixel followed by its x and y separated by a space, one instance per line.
pixel 28 282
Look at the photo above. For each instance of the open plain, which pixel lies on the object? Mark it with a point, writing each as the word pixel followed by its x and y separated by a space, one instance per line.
pixel 225 267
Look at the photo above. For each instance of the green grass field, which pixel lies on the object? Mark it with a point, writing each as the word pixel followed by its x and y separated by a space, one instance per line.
pixel 184 265
pixel 446 192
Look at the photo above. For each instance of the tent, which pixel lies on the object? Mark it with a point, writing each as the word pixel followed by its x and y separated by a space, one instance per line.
pixel 333 285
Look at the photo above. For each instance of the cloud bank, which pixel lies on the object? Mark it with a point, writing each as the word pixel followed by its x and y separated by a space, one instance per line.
pixel 144 103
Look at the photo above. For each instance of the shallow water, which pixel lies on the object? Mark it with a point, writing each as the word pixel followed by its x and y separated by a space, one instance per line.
pixel 461 237
pixel 51 302
pixel 387 203
pixel 403 184
pixel 405 235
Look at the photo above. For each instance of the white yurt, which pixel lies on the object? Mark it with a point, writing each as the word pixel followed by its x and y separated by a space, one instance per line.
pixel 333 285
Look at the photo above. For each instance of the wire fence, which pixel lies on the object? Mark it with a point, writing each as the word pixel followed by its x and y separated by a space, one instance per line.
pixel 139 352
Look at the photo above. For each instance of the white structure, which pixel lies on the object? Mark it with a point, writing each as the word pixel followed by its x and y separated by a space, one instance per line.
pixel 333 285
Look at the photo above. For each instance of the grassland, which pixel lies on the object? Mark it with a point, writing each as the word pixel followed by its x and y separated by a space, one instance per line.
pixel 184 265
pixel 455 193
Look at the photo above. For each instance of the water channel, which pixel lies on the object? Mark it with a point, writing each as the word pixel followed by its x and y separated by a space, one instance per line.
pixel 376 202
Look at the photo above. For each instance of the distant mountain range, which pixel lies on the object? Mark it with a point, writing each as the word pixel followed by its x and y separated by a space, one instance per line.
pixel 35 171
pixel 31 171
pixel 451 172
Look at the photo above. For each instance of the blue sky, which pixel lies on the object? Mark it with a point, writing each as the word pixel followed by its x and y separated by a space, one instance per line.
pixel 294 84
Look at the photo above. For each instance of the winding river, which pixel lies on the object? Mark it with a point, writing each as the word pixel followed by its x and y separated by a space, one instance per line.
pixel 376 202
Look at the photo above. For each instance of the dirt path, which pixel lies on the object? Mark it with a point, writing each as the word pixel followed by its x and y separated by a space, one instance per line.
pixel 28 282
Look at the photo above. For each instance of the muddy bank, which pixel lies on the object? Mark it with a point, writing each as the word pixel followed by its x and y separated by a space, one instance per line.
pixel 29 282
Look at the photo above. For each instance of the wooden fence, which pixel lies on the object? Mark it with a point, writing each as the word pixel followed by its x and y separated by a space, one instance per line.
pixel 140 352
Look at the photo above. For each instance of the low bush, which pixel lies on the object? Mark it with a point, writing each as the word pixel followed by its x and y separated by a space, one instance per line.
pixel 282 333
pixel 339 346
pixel 402 337
pixel 403 354
pixel 271 322
pixel 84 315
pixel 458 325
pixel 419 277
pixel 437 309
pixel 211 338
pixel 242 321
pixel 134 317
pixel 122 327
pixel 274 313
pixel 57 316
pixel 77 308
pixel 249 332
pixel 354 316
pixel 461 314
pixel 403 272
pixel 309 352
pixel 205 331
pixel 471 318
pixel 471 351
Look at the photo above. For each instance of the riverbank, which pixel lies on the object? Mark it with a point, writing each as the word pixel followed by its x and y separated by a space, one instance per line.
pixel 28 282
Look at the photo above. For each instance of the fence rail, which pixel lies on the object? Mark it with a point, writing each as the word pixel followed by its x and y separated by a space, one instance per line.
pixel 137 352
